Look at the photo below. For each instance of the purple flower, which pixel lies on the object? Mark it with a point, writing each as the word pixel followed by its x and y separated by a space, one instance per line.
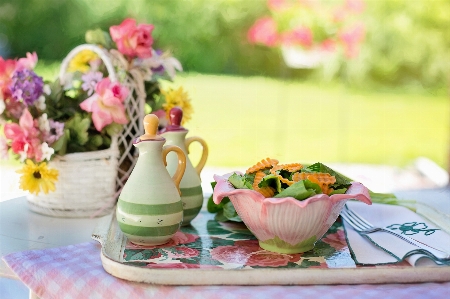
pixel 56 131
pixel 26 86
pixel 90 80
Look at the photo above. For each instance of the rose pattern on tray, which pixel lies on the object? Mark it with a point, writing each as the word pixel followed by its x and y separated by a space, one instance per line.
pixel 207 244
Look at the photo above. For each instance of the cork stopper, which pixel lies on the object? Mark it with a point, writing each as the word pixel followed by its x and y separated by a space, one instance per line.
pixel 175 118
pixel 151 122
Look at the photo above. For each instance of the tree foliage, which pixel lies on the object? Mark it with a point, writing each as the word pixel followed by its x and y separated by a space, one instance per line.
pixel 407 42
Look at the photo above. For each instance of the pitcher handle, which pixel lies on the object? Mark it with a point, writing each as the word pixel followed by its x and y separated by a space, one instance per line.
pixel 204 156
pixel 178 175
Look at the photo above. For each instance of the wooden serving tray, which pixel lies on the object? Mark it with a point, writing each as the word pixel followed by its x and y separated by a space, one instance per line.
pixel 208 252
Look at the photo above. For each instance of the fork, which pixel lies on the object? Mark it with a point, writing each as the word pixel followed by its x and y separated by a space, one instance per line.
pixel 364 227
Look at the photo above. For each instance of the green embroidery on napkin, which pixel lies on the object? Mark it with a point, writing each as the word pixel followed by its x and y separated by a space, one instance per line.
pixel 412 228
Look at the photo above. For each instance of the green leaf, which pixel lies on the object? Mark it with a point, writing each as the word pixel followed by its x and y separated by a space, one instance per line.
pixel 220 217
pixel 78 127
pixel 239 181
pixel 300 190
pixel 230 212
pixel 271 180
pixel 98 37
pixel 113 129
pixel 60 146
pixel 341 180
pixel 211 206
pixel 96 141
pixel 339 191
pixel 391 199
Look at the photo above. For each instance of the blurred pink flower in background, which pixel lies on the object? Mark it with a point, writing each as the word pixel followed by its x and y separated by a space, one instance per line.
pixel 311 25
pixel 276 4
pixel 133 40
pixel 107 104
pixel 29 62
pixel 264 31
pixel 301 35
pixel 351 38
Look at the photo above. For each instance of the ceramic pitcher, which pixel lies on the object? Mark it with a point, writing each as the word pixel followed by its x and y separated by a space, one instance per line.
pixel 149 209
pixel 190 186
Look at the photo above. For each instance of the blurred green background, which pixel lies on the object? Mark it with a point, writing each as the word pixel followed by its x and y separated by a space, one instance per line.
pixel 387 106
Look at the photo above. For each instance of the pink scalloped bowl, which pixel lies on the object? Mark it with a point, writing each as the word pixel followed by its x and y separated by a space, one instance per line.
pixel 287 225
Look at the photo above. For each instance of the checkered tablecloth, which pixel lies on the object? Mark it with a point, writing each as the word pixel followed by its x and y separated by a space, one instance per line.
pixel 76 272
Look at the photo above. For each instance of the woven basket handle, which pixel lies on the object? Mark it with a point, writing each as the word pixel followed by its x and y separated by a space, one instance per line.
pixel 99 51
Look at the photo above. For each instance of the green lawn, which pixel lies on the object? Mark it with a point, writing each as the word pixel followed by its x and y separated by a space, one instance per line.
pixel 247 119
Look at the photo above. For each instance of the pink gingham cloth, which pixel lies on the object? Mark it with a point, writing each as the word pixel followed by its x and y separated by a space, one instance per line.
pixel 76 272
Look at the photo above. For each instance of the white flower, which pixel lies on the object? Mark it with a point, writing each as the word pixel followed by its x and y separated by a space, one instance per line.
pixel 170 65
pixel 67 79
pixel 164 60
pixel 47 151
pixel 3 149
pixel 47 89
pixel 23 154
pixel 40 103
pixel 2 106
pixel 44 124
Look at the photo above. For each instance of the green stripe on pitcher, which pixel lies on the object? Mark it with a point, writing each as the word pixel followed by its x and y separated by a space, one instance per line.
pixel 145 209
pixel 191 191
pixel 191 212
pixel 148 231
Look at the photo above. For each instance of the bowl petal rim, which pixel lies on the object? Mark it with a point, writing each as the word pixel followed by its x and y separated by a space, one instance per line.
pixel 223 189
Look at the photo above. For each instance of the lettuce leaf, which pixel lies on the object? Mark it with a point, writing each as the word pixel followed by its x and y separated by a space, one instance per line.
pixel 271 180
pixel 239 181
pixel 230 212
pixel 225 210
pixel 300 190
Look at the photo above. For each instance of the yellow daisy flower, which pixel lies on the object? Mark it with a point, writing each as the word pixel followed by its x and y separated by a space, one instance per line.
pixel 178 98
pixel 37 177
pixel 81 61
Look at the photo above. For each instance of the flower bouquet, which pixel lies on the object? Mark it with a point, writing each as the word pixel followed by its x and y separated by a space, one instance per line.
pixel 314 27
pixel 74 135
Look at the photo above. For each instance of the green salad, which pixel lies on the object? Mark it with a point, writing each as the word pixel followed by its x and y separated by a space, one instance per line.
pixel 278 182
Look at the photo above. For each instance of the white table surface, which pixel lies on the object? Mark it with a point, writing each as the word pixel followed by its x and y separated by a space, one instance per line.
pixel 22 229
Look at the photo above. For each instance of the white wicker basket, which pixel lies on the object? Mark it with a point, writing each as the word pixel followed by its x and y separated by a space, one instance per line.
pixel 90 182
pixel 86 184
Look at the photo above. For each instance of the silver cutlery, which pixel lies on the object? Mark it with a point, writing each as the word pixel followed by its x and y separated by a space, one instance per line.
pixel 364 227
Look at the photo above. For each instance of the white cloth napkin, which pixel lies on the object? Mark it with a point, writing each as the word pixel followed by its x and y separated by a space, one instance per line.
pixel 383 248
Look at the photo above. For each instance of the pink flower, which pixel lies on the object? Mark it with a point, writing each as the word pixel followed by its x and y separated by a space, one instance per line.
pixel 13 108
pixel 277 5
pixel 264 31
pixel 107 104
pixel 24 137
pixel 133 40
pixel 351 38
pixel 7 68
pixel 182 252
pixel 336 240
pixel 29 62
pixel 302 36
pixel 328 45
pixel 355 6
pixel 249 253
